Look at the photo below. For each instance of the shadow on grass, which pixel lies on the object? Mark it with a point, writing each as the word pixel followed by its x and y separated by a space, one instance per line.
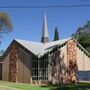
pixel 79 86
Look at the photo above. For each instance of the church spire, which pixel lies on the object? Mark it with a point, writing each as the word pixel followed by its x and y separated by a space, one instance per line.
pixel 45 38
pixel 56 35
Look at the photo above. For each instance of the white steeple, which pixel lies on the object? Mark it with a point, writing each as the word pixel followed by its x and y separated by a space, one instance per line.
pixel 45 37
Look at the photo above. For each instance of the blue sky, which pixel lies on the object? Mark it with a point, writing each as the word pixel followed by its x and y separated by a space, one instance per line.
pixel 27 22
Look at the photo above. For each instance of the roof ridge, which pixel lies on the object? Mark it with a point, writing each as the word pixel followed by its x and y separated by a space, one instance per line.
pixel 28 41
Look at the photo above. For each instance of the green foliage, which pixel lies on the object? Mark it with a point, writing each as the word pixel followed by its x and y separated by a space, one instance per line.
pixel 5 22
pixel 82 35
pixel 1 52
pixel 84 39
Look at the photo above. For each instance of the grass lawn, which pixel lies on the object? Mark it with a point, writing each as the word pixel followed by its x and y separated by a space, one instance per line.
pixel 19 86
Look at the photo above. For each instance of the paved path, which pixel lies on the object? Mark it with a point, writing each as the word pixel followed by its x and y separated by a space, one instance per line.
pixel 7 88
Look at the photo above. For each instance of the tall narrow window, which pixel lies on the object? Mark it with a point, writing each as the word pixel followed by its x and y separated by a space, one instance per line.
pixel 40 69
pixel 43 69
pixel 34 69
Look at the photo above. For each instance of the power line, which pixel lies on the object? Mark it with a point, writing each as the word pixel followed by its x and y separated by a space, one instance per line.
pixel 49 6
pixel 86 0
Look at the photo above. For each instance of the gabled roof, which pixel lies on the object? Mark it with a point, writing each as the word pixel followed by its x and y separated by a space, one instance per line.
pixel 82 48
pixel 34 47
pixel 39 49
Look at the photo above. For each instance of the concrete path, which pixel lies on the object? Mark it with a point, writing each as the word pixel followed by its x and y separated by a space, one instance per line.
pixel 7 88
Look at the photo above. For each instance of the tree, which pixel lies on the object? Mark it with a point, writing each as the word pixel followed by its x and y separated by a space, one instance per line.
pixel 82 35
pixel 5 24
pixel 56 35
pixel 1 52
pixel 84 39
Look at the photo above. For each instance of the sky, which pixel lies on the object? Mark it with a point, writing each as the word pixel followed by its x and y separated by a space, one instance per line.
pixel 27 22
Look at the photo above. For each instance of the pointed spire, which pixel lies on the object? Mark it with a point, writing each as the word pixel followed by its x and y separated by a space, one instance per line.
pixel 56 35
pixel 45 37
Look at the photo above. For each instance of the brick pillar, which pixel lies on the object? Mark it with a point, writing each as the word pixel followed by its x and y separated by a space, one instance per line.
pixel 13 63
pixel 72 65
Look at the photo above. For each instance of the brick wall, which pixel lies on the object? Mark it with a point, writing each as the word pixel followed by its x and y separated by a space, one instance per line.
pixel 72 63
pixel 13 63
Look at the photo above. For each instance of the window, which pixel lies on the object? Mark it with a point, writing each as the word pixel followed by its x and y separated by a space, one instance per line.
pixel 40 69
pixel 35 69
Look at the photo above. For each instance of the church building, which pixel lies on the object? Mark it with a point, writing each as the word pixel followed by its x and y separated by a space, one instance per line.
pixel 57 62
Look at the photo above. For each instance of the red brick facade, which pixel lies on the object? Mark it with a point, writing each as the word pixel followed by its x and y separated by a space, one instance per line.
pixel 72 64
pixel 13 63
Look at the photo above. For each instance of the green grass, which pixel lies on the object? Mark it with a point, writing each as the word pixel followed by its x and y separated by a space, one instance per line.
pixel 20 86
